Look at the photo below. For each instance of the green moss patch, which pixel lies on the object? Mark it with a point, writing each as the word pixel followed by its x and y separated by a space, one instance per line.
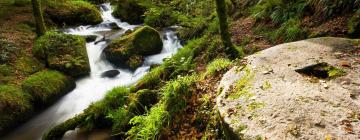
pixel 73 13
pixel 66 53
pixel 14 106
pixel 129 49
pixel 45 86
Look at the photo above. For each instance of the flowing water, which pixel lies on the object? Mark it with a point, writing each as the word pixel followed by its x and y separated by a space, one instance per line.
pixel 93 87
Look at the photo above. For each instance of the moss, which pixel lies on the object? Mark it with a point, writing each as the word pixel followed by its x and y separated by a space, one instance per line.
pixel 66 53
pixel 135 61
pixel 216 66
pixel 160 17
pixel 130 11
pixel 142 42
pixel 14 107
pixel 58 131
pixel 73 13
pixel 266 85
pixel 28 65
pixel 45 86
pixel 243 86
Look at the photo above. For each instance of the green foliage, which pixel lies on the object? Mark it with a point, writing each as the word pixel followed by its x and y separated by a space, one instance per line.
pixel 96 114
pixel 159 17
pixel 354 24
pixel 279 10
pixel 175 95
pixel 150 125
pixel 216 66
pixel 63 52
pixel 73 12
pixel 329 8
pixel 14 106
pixel 290 31
pixel 45 86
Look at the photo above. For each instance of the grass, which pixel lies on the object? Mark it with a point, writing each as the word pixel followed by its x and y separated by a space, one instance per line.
pixel 216 66
pixel 47 85
pixel 173 101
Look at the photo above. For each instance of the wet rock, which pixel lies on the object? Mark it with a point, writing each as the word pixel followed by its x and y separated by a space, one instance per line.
pixel 130 49
pixel 110 73
pixel 294 104
pixel 90 38
pixel 114 26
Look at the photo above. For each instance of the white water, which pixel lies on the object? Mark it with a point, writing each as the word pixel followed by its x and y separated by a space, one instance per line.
pixel 93 87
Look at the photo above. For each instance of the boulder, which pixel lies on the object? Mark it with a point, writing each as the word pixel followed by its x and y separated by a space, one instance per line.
pixel 90 38
pixel 299 90
pixel 74 13
pixel 15 107
pixel 129 50
pixel 110 73
pixel 114 26
pixel 63 52
pixel 130 11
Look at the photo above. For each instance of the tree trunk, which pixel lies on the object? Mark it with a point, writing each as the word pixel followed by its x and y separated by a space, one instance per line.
pixel 224 31
pixel 39 20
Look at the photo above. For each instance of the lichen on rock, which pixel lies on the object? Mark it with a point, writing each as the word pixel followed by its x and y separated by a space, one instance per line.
pixel 283 101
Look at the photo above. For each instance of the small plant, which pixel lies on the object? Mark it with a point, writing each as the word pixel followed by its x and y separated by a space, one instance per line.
pixel 216 66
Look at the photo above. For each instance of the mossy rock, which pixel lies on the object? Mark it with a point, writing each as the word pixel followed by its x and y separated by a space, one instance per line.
pixel 63 52
pixel 129 50
pixel 14 107
pixel 130 11
pixel 46 86
pixel 73 13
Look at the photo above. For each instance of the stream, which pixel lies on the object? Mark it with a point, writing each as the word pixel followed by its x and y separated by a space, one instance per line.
pixel 94 87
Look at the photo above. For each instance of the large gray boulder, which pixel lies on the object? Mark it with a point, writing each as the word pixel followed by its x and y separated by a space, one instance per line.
pixel 302 90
